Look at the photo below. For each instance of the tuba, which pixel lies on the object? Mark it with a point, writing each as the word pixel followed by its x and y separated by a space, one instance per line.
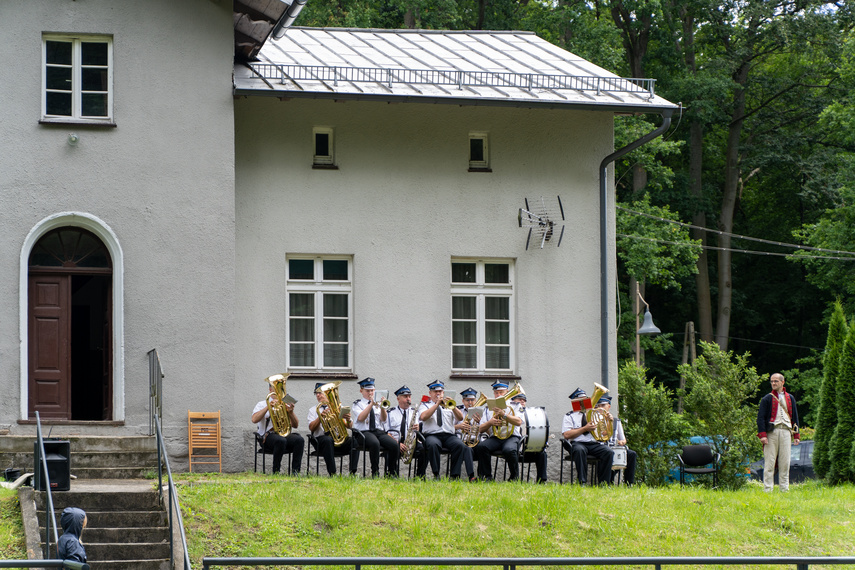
pixel 471 435
pixel 506 429
pixel 600 418
pixel 331 416
pixel 410 441
pixel 276 404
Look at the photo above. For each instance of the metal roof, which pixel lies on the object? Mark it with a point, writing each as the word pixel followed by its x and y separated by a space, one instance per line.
pixel 438 66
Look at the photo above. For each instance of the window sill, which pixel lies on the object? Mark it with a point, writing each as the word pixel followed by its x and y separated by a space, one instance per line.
pixel 324 167
pixel 480 170
pixel 482 376
pixel 322 376
pixel 77 122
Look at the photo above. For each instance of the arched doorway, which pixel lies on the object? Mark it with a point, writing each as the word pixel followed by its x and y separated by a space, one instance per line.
pixel 70 327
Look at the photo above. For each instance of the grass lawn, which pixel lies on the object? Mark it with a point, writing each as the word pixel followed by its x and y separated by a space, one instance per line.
pixel 12 545
pixel 257 515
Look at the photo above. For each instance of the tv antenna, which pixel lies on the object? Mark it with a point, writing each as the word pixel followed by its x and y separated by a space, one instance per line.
pixel 543 218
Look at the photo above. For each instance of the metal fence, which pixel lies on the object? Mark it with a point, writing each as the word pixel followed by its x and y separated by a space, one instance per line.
pixel 44 478
pixel 155 388
pixel 800 563
pixel 172 500
pixel 44 564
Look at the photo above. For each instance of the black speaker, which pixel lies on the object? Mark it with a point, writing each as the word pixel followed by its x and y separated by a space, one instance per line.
pixel 58 459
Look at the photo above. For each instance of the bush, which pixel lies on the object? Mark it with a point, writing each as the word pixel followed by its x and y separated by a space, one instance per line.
pixel 719 386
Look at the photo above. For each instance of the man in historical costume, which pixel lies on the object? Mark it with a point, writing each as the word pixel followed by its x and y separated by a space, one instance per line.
pixel 777 428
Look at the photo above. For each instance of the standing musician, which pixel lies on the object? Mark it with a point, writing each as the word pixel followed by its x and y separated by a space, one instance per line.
pixel 510 446
pixel 399 421
pixel 274 443
pixel 580 443
pixel 370 420
pixel 536 457
pixel 326 446
pixel 438 428
pixel 619 438
pixel 468 396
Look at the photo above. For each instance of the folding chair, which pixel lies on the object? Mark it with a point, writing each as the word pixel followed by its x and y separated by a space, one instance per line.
pixel 204 430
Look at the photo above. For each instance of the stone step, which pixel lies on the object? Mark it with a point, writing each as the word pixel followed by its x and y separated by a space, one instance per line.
pixel 78 459
pixel 121 535
pixel 140 443
pixel 126 550
pixel 104 501
pixel 119 519
pixel 157 564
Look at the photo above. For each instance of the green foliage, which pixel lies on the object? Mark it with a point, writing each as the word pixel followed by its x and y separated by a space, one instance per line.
pixel 11 527
pixel 719 386
pixel 806 384
pixel 827 421
pixel 649 423
pixel 842 469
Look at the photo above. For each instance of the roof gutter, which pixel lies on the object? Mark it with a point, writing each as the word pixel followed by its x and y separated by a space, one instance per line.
pixel 287 19
pixel 605 337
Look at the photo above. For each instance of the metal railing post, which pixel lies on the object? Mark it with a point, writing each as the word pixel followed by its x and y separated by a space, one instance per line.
pixel 50 516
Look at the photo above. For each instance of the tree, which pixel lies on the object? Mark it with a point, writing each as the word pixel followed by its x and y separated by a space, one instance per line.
pixel 719 386
pixel 827 421
pixel 841 445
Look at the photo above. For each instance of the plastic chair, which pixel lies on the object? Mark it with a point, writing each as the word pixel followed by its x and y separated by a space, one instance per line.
pixel 204 430
pixel 694 461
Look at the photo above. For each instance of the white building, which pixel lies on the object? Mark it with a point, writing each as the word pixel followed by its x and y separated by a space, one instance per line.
pixel 343 205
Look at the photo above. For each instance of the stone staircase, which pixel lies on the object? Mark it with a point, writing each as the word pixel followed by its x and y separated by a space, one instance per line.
pixel 127 526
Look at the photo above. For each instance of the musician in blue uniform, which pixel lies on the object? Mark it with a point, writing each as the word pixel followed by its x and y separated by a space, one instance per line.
pixel 468 397
pixel 536 457
pixel 619 438
pixel 398 426
pixel 370 419
pixel 326 445
pixel 438 428
pixel 509 446
pixel 580 443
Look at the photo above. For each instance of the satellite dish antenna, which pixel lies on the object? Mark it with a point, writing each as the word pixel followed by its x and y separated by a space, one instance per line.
pixel 544 219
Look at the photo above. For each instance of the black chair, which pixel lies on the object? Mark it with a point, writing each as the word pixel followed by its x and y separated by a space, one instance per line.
pixel 358 446
pixel 259 450
pixel 695 460
pixel 591 466
pixel 339 452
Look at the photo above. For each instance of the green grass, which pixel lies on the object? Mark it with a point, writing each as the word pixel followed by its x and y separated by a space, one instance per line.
pixel 255 515
pixel 12 545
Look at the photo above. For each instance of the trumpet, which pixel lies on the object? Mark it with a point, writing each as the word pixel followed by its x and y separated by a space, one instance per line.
pixel 384 403
pixel 448 403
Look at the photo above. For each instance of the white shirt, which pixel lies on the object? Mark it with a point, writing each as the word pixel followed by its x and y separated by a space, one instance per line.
pixel 395 418
pixel 431 426
pixel 574 420
pixel 512 407
pixel 357 408
pixel 264 425
pixel 312 416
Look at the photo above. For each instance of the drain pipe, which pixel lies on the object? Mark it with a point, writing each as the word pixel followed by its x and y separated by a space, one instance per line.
pixel 604 247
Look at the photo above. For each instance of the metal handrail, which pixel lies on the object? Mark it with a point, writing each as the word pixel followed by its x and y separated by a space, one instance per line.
pixel 155 388
pixel 800 562
pixel 163 459
pixel 456 78
pixel 70 564
pixel 50 515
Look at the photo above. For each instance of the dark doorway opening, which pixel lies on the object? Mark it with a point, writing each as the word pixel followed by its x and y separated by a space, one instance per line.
pixel 89 328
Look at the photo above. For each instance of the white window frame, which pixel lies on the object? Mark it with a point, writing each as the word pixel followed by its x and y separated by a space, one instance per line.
pixel 318 287
pixel 323 160
pixel 481 290
pixel 480 165
pixel 76 79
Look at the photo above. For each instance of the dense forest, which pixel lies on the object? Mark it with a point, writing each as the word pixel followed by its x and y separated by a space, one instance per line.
pixel 740 221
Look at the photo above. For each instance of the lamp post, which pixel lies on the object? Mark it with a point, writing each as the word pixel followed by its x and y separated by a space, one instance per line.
pixel 646 329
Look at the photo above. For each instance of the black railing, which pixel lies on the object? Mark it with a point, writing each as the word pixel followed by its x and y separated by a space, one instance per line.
pixel 801 563
pixel 44 478
pixel 163 460
pixel 155 388
pixel 44 564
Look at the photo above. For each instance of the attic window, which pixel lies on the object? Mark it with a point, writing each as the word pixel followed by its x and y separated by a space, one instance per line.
pixel 324 153
pixel 77 79
pixel 479 156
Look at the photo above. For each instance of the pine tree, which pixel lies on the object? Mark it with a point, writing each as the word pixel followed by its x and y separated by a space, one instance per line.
pixel 827 416
pixel 844 435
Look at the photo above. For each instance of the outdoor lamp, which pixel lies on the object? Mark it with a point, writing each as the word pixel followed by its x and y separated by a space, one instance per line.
pixel 646 329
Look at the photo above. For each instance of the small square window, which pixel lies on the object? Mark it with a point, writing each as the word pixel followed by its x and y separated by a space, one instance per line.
pixel 479 155
pixel 77 79
pixel 323 150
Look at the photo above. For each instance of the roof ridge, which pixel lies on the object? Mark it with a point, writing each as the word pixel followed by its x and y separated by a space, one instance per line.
pixel 414 31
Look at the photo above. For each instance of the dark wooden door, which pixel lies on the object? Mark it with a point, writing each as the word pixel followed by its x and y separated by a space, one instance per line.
pixel 49 346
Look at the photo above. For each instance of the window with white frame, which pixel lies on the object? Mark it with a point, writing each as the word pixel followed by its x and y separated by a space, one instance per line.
pixel 319 313
pixel 482 323
pixel 77 78
pixel 479 157
pixel 324 153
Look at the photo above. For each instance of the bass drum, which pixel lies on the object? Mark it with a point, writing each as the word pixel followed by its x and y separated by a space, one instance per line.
pixel 536 429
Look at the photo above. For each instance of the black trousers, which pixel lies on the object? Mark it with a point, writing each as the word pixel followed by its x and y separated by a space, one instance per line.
pixel 374 440
pixel 279 446
pixel 326 449
pixel 436 442
pixel 604 454
pixel 539 460
pixel 509 449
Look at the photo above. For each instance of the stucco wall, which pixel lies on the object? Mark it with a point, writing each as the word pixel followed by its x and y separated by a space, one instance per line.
pixel 402 203
pixel 162 180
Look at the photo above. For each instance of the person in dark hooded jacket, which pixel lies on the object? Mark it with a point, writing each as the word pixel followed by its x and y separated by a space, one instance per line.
pixel 72 521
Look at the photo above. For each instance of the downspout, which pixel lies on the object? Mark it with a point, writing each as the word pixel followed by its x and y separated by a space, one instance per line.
pixel 604 248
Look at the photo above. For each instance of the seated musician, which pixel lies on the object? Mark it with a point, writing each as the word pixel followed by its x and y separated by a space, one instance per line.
pixel 438 428
pixel 398 425
pixel 511 433
pixel 580 443
pixel 537 457
pixel 274 443
pixel 618 438
pixel 468 397
pixel 326 445
pixel 370 420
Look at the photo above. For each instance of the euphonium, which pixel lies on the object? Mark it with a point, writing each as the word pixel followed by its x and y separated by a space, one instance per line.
pixel 471 435
pixel 276 404
pixel 600 418
pixel 506 429
pixel 331 416
pixel 410 441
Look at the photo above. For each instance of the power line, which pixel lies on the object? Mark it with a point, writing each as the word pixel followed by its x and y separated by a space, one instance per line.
pixel 748 251
pixel 749 238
